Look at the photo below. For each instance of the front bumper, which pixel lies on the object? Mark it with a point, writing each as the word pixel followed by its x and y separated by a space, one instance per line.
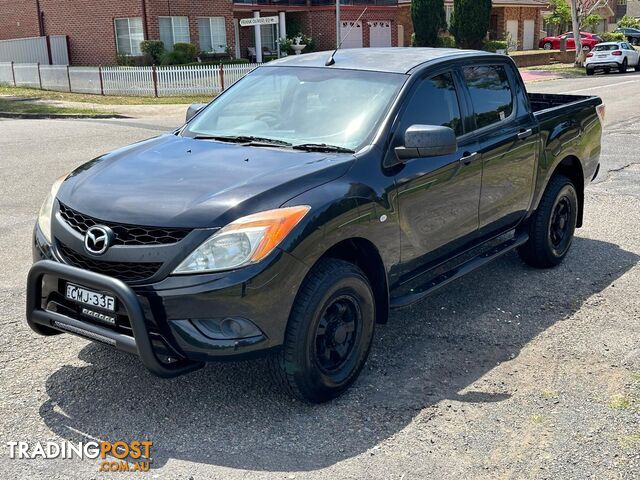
pixel 160 322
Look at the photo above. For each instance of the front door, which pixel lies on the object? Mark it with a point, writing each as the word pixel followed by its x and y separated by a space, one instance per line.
pixel 437 196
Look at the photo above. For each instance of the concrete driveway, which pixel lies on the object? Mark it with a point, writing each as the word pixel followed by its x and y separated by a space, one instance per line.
pixel 508 373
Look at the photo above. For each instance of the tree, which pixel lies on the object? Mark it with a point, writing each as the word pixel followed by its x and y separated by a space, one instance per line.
pixel 628 22
pixel 560 16
pixel 428 21
pixel 470 22
pixel 575 22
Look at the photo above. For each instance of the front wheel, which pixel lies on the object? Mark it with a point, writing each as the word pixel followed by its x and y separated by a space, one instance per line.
pixel 634 41
pixel 553 224
pixel 547 46
pixel 329 333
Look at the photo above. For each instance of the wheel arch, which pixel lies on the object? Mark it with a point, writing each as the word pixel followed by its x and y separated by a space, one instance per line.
pixel 364 254
pixel 571 167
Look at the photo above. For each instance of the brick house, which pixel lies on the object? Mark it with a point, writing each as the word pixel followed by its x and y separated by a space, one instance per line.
pixel 521 19
pixel 99 29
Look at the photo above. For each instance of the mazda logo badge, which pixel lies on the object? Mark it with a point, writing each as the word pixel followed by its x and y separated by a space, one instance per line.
pixel 98 239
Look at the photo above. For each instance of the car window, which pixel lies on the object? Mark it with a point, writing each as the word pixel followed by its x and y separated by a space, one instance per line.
pixel 490 93
pixel 606 48
pixel 435 102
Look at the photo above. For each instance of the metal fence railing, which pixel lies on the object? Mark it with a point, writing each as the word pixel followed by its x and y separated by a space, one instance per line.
pixel 141 81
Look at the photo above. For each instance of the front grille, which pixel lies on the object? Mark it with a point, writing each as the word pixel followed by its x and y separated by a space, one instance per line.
pixel 124 234
pixel 127 272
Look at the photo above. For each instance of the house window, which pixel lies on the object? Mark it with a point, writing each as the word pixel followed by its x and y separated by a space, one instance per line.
pixel 212 34
pixel 174 30
pixel 129 34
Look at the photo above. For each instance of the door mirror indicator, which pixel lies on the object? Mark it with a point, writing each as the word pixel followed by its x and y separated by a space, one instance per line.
pixel 426 141
pixel 193 109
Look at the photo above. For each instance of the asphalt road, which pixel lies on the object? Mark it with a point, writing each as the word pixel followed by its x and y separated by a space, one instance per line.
pixel 510 372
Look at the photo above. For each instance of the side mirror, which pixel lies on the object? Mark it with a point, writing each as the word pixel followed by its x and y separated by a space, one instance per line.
pixel 193 109
pixel 427 141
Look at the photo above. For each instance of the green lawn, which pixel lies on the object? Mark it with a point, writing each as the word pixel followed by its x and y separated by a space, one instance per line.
pixel 101 99
pixel 567 70
pixel 22 106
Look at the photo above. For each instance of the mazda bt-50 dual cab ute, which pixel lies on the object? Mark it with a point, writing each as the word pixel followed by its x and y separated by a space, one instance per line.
pixel 289 215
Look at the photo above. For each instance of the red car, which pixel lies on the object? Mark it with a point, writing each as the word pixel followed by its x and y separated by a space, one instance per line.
pixel 588 40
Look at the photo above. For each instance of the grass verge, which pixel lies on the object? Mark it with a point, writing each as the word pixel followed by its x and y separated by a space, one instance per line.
pixel 565 70
pixel 22 106
pixel 101 99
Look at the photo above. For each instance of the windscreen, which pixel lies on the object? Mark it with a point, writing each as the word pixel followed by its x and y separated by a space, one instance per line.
pixel 301 105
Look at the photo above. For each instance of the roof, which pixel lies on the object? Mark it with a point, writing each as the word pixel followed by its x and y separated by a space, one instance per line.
pixel 505 3
pixel 522 3
pixel 388 59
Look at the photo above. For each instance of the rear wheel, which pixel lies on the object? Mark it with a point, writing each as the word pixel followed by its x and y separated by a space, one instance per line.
pixel 623 66
pixel 634 41
pixel 329 333
pixel 552 226
pixel 590 71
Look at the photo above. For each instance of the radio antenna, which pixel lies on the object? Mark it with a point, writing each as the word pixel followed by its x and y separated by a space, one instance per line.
pixel 330 61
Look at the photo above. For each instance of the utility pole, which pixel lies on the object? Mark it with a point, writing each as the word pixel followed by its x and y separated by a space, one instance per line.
pixel 576 32
pixel 337 23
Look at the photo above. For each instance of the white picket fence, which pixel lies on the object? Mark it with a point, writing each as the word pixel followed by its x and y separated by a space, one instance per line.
pixel 139 81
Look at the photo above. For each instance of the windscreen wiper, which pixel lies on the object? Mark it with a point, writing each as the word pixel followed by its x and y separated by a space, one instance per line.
pixel 245 139
pixel 322 147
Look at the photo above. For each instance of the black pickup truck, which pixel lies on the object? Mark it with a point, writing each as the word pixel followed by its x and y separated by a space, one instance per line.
pixel 290 214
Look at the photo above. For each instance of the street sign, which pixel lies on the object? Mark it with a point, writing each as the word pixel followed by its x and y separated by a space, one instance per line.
pixel 250 22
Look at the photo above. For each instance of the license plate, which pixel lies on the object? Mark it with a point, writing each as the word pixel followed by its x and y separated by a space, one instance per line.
pixel 602 56
pixel 89 297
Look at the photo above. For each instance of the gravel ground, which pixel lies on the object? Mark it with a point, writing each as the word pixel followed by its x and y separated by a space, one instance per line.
pixel 510 372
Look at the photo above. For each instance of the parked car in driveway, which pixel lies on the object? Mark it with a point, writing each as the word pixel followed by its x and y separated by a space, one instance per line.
pixel 632 34
pixel 288 216
pixel 608 55
pixel 588 40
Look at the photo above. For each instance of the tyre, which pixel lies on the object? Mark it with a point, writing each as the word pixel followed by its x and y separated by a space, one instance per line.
pixel 552 226
pixel 637 67
pixel 590 71
pixel 634 41
pixel 547 46
pixel 329 333
pixel 623 66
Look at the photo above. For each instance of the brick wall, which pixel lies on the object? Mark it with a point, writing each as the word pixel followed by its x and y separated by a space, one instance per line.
pixel 90 26
pixel 18 19
pixel 404 19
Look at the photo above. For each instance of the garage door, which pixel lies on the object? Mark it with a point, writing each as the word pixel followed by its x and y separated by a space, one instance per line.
pixel 380 34
pixel 354 39
pixel 527 41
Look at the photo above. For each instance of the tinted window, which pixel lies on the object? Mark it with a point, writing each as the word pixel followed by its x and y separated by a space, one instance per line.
pixel 435 102
pixel 490 93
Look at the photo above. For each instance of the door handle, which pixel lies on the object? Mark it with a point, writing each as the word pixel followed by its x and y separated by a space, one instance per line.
pixel 467 157
pixel 525 134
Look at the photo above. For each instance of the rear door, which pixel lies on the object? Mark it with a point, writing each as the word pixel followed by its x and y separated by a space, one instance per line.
pixel 507 137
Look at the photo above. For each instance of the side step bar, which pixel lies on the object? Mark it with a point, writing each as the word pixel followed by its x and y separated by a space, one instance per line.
pixel 422 290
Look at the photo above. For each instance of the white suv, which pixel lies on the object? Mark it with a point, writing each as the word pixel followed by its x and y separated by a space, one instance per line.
pixel 608 55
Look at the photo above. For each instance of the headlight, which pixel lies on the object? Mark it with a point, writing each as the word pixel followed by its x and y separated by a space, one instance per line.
pixel 247 240
pixel 44 217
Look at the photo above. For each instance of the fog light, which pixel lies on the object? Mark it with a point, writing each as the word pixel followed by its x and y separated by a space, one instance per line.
pixel 229 328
